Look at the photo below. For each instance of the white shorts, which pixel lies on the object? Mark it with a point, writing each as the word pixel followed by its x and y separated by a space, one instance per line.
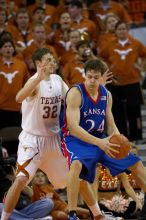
pixel 44 153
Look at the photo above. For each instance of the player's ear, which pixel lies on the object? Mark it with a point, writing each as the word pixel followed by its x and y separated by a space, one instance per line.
pixel 38 63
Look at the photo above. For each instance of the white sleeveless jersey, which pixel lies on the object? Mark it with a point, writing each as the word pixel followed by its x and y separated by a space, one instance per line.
pixel 40 115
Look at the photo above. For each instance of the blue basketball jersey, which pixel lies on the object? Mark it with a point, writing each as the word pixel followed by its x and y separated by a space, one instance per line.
pixel 92 119
pixel 92 112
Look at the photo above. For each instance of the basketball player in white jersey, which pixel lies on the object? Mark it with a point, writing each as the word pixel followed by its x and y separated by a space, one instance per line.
pixel 39 141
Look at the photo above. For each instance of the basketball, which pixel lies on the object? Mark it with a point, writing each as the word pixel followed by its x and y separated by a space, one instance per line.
pixel 124 143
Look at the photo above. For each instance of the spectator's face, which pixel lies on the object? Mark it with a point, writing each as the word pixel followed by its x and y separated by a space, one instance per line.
pixel 2 17
pixel 74 11
pixel 39 16
pixel 7 50
pixel 110 24
pixel 39 178
pixel 39 33
pixel 83 49
pixel 122 31
pixel 23 20
pixel 74 37
pixel 65 20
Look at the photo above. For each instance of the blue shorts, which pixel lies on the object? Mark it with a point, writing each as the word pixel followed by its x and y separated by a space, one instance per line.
pixel 90 155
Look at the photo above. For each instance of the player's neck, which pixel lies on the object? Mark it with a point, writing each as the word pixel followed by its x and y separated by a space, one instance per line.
pixel 93 95
pixel 47 77
pixel 93 92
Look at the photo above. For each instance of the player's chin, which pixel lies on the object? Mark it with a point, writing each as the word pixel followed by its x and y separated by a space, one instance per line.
pixel 92 86
pixel 51 70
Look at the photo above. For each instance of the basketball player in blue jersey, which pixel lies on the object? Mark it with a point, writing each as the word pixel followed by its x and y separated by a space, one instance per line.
pixel 88 108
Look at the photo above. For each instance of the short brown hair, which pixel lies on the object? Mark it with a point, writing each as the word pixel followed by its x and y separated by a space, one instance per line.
pixel 96 65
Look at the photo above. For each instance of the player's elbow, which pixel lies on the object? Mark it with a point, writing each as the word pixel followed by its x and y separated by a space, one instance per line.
pixel 71 129
pixel 19 98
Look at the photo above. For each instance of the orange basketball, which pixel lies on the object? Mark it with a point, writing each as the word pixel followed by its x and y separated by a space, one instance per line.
pixel 124 145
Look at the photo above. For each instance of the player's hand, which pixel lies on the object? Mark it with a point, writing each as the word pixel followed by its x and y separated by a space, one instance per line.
pixel 42 71
pixel 109 148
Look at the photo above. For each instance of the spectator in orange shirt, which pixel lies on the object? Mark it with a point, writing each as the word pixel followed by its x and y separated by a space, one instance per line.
pixel 109 34
pixel 13 75
pixel 71 52
pixel 23 36
pixel 60 38
pixel 86 27
pixel 63 7
pixel 49 9
pixel 42 189
pixel 73 71
pixel 40 17
pixel 100 9
pixel 7 35
pixel 39 40
pixel 10 8
pixel 4 25
pixel 122 55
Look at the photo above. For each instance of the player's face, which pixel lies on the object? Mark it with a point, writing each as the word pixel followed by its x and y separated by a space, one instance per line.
pixel 92 79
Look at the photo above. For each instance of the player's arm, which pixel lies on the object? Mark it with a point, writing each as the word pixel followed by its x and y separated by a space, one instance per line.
pixel 29 90
pixel 73 102
pixel 111 126
pixel 129 190
pixel 31 87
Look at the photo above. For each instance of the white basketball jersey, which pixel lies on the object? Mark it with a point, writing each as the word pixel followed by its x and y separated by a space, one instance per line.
pixel 40 115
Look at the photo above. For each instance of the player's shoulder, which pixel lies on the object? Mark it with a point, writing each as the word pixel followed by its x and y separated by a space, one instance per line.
pixel 33 77
pixel 103 88
pixel 73 96
pixel 75 89
pixel 56 77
